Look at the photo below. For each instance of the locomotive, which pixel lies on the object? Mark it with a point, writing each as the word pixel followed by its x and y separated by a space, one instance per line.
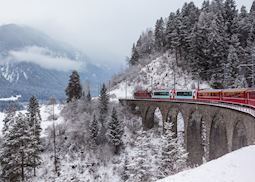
pixel 245 96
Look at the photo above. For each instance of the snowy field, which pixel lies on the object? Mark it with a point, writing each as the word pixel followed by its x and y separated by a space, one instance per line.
pixel 237 166
pixel 45 113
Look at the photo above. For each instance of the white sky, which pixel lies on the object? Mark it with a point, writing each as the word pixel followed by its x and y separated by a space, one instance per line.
pixel 104 29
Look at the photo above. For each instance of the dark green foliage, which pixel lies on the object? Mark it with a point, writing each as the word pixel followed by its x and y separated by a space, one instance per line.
pixel 74 89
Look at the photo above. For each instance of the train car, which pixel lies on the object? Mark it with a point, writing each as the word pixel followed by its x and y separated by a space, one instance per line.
pixel 161 94
pixel 213 94
pixel 235 95
pixel 251 97
pixel 142 94
pixel 185 94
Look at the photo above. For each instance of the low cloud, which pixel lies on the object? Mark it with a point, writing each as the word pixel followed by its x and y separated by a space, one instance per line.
pixel 44 58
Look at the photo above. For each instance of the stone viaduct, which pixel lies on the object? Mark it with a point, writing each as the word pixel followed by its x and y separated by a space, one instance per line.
pixel 224 129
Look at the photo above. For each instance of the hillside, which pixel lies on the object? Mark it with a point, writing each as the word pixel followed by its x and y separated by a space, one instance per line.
pixel 157 74
pixel 233 167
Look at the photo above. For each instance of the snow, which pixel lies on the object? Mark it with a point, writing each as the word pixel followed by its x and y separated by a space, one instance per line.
pixel 158 74
pixel 123 90
pixel 12 98
pixel 45 113
pixel 237 166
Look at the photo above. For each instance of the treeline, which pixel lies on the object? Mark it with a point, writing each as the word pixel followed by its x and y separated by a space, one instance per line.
pixel 215 43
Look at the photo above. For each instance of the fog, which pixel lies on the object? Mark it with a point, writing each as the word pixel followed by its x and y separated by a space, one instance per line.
pixel 44 58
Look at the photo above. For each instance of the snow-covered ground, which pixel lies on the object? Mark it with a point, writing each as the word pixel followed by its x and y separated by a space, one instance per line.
pixel 237 166
pixel 156 75
pixel 12 98
pixel 45 113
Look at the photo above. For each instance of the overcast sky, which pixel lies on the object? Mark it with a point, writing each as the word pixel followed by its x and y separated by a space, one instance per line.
pixel 103 29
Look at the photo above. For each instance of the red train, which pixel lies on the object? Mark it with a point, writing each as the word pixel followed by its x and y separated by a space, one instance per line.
pixel 237 96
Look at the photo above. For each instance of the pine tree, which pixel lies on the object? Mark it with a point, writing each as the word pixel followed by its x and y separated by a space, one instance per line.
pixel 15 151
pixel 230 17
pixel 134 60
pixel 159 35
pixel 173 157
pixel 35 146
pixel 115 132
pixel 88 97
pixel 9 119
pixel 218 49
pixel 93 131
pixel 74 89
pixel 139 168
pixel 103 112
pixel 103 104
pixel 252 10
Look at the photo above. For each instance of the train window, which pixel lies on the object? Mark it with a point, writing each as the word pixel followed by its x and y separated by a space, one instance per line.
pixel 184 93
pixel 161 93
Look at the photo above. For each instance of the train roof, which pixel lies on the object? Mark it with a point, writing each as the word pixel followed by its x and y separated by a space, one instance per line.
pixel 235 90
pixel 210 90
pixel 191 90
pixel 251 90
pixel 162 90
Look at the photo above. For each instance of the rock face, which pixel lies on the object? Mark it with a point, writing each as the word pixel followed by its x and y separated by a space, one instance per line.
pixel 32 63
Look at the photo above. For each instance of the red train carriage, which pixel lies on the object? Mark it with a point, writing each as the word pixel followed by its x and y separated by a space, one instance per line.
pixel 142 94
pixel 209 94
pixel 251 97
pixel 235 95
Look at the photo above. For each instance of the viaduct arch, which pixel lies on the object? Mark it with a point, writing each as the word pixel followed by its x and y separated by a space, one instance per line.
pixel 209 131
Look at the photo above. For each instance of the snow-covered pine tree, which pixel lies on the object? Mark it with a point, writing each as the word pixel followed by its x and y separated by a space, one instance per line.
pixel 9 119
pixel 170 27
pixel 252 10
pixel 231 68
pixel 103 113
pixel 230 17
pixel 93 132
pixel 35 146
pixel 115 131
pixel 217 51
pixel 159 35
pixel 173 157
pixel 74 89
pixel 15 151
pixel 139 167
pixel 144 45
pixel 88 96
pixel 134 60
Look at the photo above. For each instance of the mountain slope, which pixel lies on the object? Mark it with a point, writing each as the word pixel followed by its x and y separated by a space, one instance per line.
pixel 32 63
